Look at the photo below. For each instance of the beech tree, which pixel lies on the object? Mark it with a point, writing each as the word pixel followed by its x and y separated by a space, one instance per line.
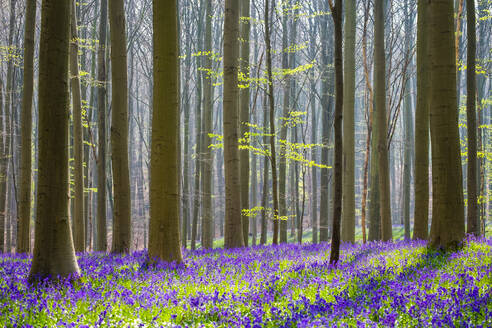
pixel 233 226
pixel 24 205
pixel 448 224
pixel 348 201
pixel 119 129
pixel 54 254
pixel 164 235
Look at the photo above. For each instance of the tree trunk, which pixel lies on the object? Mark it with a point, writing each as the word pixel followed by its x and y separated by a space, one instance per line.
pixel 473 224
pixel 271 101
pixel 348 211
pixel 408 127
pixel 448 224
pixel 119 129
pixel 233 226
pixel 198 134
pixel 78 170
pixel 421 175
pixel 207 154
pixel 5 139
pixel 282 167
pixel 3 183
pixel 101 240
pixel 54 254
pixel 24 205
pixel 380 109
pixel 337 13
pixel 326 91
pixel 164 238
pixel 244 114
pixel 264 197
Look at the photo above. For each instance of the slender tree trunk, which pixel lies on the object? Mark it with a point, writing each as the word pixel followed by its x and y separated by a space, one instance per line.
pixel 207 154
pixel 164 238
pixel 264 197
pixel 78 170
pixel 337 13
pixel 314 170
pixel 369 112
pixel 3 183
pixel 244 113
pixel 473 218
pixel 380 103
pixel 408 127
pixel 196 184
pixel 271 101
pixel 326 91
pixel 54 253
pixel 24 206
pixel 448 224
pixel 119 129
pixel 282 167
pixel 254 187
pixel 421 174
pixel 348 218
pixel 5 138
pixel 101 241
pixel 233 226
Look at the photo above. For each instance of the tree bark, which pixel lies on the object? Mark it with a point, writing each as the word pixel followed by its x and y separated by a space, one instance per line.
pixel 244 113
pixel 24 205
pixel 326 105
pixel 408 127
pixel 380 109
pixel 421 173
pixel 233 226
pixel 473 224
pixel 271 102
pixel 164 237
pixel 54 254
pixel 448 224
pixel 337 13
pixel 348 211
pixel 101 240
pixel 207 153
pixel 282 167
pixel 78 170
pixel 119 129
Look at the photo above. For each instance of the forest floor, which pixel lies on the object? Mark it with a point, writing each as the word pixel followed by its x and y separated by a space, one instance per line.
pixel 378 284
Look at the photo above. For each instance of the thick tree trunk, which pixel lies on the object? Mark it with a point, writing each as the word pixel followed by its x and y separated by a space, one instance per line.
pixel 380 109
pixel 78 170
pixel 164 237
pixel 244 114
pixel 473 218
pixel 448 224
pixel 348 218
pixel 233 226
pixel 119 129
pixel 24 205
pixel 421 173
pixel 54 254
pixel 101 240
pixel 207 153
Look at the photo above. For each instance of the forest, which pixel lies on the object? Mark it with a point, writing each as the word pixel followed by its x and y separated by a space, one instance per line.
pixel 245 163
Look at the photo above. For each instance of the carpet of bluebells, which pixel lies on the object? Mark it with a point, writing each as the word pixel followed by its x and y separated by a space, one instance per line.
pixel 400 284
